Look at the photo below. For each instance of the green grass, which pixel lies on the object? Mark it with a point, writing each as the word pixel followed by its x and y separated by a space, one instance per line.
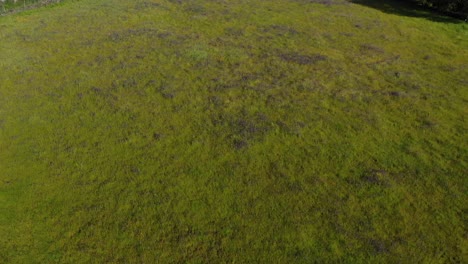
pixel 10 5
pixel 231 131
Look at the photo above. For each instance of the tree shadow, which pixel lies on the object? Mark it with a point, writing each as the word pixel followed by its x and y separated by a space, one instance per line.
pixel 410 9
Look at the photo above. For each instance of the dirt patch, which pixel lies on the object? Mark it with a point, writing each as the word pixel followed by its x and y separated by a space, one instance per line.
pixel 239 144
pixel 279 30
pixel 302 59
pixel 216 101
pixel 195 9
pixel 427 124
pixel 166 92
pixel 137 32
pixel 371 48
pixel 157 136
pixel 376 177
pixel 234 32
pixel 378 246
pixel 347 34
pixel 389 60
pixel 242 129
pixel 395 94
pixel 147 5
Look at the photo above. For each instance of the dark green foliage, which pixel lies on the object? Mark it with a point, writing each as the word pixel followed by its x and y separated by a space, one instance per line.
pixel 456 6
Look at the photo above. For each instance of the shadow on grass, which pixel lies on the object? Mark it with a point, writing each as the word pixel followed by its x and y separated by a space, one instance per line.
pixel 410 9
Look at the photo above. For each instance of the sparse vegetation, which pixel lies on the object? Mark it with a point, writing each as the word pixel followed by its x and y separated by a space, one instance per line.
pixel 169 131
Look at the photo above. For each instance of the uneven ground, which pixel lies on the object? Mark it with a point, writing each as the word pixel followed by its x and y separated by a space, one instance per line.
pixel 241 131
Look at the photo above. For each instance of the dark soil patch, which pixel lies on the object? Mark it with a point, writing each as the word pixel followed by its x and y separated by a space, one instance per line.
pixel 234 32
pixel 147 5
pixel 371 48
pixel 279 30
pixel 378 246
pixel 376 177
pixel 239 144
pixel 157 136
pixel 242 129
pixel 195 9
pixel 138 32
pixel 302 59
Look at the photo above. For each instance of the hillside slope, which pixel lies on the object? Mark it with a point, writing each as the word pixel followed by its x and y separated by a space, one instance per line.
pixel 204 131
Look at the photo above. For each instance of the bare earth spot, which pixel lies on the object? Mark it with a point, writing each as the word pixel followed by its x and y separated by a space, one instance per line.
pixel 378 246
pixel 166 92
pixel 303 59
pixel 279 30
pixel 135 170
pixel 215 101
pixel 448 68
pixel 138 32
pixel 147 5
pixel 239 144
pixel 371 48
pixel 376 177
pixel 234 32
pixel 397 94
pixel 242 128
pixel 427 124
pixel 157 136
pixel 347 34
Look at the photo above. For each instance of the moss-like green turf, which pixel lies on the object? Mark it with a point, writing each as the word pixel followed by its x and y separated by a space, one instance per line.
pixel 240 131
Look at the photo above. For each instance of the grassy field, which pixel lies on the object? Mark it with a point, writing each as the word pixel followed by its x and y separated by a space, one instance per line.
pixel 12 6
pixel 240 131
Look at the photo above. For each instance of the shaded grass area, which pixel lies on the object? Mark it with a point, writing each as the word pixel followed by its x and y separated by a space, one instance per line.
pixel 231 131
pixel 412 9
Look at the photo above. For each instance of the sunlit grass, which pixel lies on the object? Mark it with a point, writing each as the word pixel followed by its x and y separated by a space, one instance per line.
pixel 231 131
